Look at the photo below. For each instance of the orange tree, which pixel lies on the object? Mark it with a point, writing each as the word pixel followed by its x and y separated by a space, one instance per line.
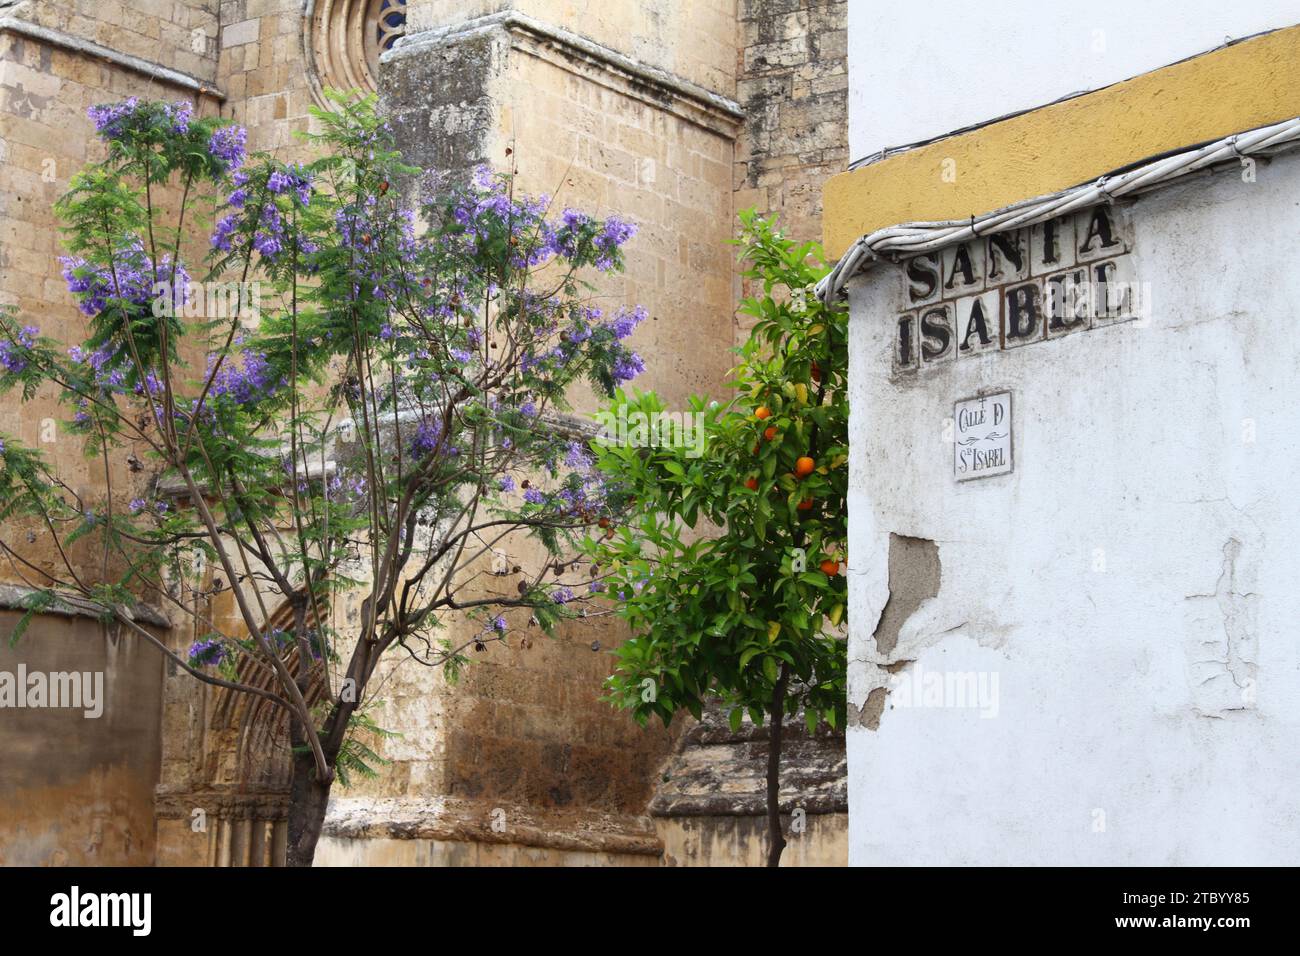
pixel 728 566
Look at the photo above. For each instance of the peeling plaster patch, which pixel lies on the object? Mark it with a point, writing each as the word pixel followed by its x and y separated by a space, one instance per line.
pixel 869 714
pixel 915 574
pixel 914 578
pixel 1223 648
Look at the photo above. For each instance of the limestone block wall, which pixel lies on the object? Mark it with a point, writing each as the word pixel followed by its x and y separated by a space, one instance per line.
pixel 792 81
pixel 56 60
pixel 89 797
pixel 77 786
pixel 262 70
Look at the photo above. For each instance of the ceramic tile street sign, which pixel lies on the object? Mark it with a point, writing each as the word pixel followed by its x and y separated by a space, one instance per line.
pixel 1012 289
pixel 982 440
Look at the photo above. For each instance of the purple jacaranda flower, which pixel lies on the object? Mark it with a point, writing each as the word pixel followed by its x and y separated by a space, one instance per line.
pixel 562 595
pixel 577 457
pixel 628 367
pixel 246 382
pixel 612 235
pixel 533 496
pixel 137 505
pixel 12 357
pixel 226 227
pixel 499 624
pixel 294 178
pixel 227 144
pixel 625 322
pixel 110 119
pixel 130 281
pixel 427 435
pixel 208 653
pixel 180 113
pixel 506 483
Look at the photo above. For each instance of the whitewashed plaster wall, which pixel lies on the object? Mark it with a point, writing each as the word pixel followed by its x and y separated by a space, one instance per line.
pixel 925 68
pixel 1134 583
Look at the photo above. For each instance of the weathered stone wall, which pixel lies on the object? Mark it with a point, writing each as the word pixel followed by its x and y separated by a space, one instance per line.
pixel 77 790
pixel 792 80
pixel 56 60
pixel 710 800
pixel 693 40
pixel 262 71
pixel 86 795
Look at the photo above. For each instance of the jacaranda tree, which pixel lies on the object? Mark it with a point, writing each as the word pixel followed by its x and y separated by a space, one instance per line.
pixel 365 414
pixel 728 565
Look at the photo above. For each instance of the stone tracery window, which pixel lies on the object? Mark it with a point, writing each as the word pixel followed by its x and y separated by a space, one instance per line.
pixel 390 23
pixel 344 39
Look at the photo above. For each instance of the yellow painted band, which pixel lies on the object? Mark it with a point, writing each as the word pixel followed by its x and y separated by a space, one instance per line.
pixel 1251 83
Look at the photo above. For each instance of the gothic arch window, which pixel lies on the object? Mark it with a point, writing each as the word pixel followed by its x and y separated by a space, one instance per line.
pixel 343 40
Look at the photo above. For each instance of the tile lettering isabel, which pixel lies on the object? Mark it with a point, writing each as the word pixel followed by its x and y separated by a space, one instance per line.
pixel 1011 289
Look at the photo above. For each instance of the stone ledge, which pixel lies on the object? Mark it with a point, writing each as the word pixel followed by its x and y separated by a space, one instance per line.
pixel 442 818
pixel 13 595
pixel 570 51
pixel 135 64
pixel 719 772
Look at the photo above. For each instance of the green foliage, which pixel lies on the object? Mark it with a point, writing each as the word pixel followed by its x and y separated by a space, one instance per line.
pixel 705 570
pixel 356 756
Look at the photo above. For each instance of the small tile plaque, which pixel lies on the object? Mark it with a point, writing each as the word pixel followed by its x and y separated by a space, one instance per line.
pixel 982 441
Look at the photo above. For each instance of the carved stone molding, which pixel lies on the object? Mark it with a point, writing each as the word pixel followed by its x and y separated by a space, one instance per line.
pixel 343 39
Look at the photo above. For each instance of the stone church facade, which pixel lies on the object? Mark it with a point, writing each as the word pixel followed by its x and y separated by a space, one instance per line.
pixel 674 114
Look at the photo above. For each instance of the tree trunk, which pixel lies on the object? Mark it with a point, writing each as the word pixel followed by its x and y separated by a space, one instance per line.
pixel 776 839
pixel 308 798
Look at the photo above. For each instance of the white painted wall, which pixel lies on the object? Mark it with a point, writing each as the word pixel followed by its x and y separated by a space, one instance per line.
pixel 923 68
pixel 1119 691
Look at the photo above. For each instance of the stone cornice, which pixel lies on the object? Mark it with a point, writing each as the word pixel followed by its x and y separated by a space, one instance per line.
pixel 584 57
pixel 13 596
pixel 135 64
pixel 222 802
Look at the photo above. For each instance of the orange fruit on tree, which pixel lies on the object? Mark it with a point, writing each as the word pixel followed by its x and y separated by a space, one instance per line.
pixel 830 568
pixel 805 505
pixel 804 467
pixel 751 484
pixel 762 412
pixel 769 432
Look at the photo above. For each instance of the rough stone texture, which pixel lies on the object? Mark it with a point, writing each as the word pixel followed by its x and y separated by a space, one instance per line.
pixel 694 40
pixel 819 840
pixel 441 103
pixel 718 772
pixel 792 81
pixel 93 805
